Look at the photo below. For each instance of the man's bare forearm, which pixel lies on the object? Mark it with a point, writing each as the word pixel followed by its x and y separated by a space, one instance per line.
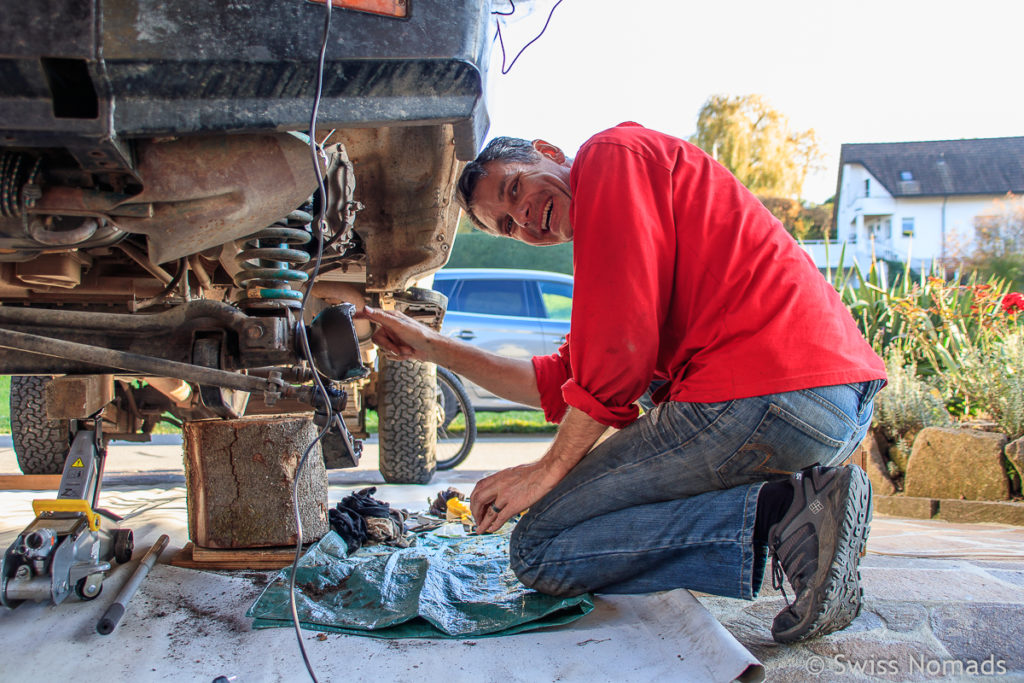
pixel 402 338
pixel 510 378
pixel 576 436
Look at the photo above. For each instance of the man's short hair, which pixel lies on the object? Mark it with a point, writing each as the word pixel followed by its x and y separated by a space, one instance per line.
pixel 504 149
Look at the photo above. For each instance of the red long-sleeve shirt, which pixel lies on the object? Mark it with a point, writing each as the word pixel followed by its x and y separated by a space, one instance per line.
pixel 682 274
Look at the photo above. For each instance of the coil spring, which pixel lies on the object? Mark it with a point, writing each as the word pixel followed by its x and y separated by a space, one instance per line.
pixel 267 261
pixel 13 179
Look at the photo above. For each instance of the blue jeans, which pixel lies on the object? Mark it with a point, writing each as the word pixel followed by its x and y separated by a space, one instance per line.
pixel 670 501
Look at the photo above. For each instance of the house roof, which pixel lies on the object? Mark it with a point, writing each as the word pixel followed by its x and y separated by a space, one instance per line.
pixel 943 167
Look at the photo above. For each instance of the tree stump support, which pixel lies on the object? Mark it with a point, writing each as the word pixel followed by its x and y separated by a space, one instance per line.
pixel 239 476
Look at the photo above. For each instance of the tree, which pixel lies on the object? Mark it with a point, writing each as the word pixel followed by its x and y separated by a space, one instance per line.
pixel 804 220
pixel 753 140
pixel 998 247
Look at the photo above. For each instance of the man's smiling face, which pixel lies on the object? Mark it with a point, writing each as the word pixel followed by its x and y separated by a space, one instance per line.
pixel 527 202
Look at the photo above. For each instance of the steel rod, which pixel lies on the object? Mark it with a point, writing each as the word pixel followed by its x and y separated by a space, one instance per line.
pixel 157 322
pixel 108 622
pixel 134 362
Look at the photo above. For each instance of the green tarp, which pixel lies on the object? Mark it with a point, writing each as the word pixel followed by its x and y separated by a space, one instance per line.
pixel 448 585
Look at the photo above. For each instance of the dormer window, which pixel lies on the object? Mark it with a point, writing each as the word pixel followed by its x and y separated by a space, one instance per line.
pixel 906 176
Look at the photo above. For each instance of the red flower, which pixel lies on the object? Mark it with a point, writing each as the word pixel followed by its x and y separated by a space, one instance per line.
pixel 1013 302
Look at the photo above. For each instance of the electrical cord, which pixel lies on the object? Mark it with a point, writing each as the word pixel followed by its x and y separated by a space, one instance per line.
pixel 501 40
pixel 304 340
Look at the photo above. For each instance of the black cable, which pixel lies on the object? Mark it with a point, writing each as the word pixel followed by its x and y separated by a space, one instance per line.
pixel 176 280
pixel 303 339
pixel 501 40
pixel 510 13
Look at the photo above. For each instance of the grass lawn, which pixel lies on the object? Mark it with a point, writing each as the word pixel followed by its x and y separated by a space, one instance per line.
pixel 513 421
pixel 5 404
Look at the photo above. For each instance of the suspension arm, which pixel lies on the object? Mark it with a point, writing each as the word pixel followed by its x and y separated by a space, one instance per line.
pixel 147 365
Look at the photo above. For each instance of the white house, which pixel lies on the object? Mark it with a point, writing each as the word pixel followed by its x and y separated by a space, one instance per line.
pixel 916 201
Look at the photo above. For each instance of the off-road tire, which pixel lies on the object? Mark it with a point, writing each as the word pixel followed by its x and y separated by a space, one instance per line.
pixel 41 445
pixel 407 426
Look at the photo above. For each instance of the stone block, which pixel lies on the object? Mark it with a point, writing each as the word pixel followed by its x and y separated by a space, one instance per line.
pixel 1015 454
pixel 870 458
pixel 973 511
pixel 985 632
pixel 957 463
pixel 905 506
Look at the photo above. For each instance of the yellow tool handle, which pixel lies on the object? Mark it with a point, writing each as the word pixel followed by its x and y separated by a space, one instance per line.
pixel 68 505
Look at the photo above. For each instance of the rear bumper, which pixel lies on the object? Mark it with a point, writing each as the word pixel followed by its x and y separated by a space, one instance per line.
pixel 95 69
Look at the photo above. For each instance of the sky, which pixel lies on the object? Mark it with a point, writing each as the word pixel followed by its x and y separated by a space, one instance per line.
pixel 864 71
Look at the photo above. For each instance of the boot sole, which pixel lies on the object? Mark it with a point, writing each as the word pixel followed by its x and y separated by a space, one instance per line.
pixel 840 594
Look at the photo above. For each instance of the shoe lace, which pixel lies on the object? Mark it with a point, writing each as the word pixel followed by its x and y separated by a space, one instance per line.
pixel 779 578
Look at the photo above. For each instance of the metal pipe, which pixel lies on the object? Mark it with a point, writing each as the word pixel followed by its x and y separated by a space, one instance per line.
pixel 108 622
pixel 38 231
pixel 127 322
pixel 134 362
pixel 200 272
pixel 137 255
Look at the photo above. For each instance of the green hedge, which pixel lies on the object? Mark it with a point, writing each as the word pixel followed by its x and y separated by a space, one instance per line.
pixel 480 250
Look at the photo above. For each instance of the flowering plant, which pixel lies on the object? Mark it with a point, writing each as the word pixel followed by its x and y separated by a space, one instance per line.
pixel 960 336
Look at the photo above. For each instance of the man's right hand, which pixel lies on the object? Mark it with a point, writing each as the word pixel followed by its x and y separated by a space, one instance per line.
pixel 399 336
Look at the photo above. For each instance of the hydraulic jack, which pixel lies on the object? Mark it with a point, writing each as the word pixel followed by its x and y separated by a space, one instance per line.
pixel 65 548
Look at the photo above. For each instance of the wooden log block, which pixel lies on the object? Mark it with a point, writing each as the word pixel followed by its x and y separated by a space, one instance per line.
pixel 239 476
pixel 29 482
pixel 77 397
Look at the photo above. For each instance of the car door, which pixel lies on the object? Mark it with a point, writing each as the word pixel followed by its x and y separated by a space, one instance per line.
pixel 556 300
pixel 499 315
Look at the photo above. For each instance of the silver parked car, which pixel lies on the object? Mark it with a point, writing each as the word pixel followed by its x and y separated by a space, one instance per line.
pixel 515 313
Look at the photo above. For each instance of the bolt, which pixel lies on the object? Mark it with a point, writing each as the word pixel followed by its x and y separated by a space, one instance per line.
pixel 23 571
pixel 254 331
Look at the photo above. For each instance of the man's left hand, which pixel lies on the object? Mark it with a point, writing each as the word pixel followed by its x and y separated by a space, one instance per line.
pixel 501 496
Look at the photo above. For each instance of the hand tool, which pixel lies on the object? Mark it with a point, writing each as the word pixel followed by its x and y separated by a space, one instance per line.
pixel 108 622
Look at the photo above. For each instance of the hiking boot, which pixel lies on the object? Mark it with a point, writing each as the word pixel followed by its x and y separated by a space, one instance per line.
pixel 818 544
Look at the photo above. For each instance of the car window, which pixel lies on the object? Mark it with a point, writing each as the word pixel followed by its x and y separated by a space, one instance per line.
pixel 557 298
pixel 493 297
pixel 444 286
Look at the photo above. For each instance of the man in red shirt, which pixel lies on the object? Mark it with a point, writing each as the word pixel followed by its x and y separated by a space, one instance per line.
pixel 685 281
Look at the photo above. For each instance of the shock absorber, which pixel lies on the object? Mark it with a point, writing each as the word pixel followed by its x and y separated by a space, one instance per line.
pixel 267 263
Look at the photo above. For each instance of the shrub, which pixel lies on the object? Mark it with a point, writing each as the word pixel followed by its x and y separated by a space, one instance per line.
pixel 907 404
pixel 994 379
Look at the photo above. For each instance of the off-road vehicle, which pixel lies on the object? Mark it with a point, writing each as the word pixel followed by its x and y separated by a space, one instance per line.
pixel 157 204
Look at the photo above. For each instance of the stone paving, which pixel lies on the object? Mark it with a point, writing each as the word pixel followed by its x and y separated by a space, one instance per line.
pixel 942 601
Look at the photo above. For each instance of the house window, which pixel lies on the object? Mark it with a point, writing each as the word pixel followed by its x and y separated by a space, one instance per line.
pixel 867 187
pixel 908 227
pixel 906 176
